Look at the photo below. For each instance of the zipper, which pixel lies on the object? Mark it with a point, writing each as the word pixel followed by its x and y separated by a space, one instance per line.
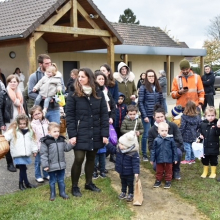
pixel 78 125
pixel 58 155
pixel 42 128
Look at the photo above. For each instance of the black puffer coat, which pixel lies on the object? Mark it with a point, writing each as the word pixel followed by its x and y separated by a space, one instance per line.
pixel 87 120
pixel 211 134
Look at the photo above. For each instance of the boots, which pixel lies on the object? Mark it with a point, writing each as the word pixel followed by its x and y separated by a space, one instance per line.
pixel 29 185
pixel 76 191
pixel 61 187
pixel 21 186
pixel 52 192
pixel 205 171
pixel 213 172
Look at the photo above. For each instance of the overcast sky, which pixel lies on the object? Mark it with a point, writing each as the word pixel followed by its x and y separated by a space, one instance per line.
pixel 187 20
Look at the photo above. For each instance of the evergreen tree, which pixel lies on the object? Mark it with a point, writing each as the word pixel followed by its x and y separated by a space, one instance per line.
pixel 128 17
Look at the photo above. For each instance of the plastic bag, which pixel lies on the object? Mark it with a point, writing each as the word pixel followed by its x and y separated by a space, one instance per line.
pixel 113 135
pixel 61 99
pixel 198 149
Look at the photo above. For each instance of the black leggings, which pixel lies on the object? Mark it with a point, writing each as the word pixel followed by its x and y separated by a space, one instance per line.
pixel 210 159
pixel 9 158
pixel 127 181
pixel 77 165
pixel 23 173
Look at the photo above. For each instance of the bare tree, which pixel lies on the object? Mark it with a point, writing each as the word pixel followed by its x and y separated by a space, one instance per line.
pixel 214 28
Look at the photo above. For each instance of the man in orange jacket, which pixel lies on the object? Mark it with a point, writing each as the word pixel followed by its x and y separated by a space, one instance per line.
pixel 187 86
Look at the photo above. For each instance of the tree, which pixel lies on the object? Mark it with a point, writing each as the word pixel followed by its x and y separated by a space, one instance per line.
pixel 128 17
pixel 214 28
pixel 213 52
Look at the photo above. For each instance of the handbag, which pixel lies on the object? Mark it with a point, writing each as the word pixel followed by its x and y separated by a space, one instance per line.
pixel 60 99
pixel 138 193
pixel 113 135
pixel 4 146
pixel 198 149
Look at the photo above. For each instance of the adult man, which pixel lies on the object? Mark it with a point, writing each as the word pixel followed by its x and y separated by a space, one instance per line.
pixel 208 80
pixel 187 86
pixel 53 112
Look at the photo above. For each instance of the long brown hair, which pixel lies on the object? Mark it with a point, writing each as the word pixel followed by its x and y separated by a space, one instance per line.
pixel 111 80
pixel 190 109
pixel 148 85
pixel 91 81
pixel 34 109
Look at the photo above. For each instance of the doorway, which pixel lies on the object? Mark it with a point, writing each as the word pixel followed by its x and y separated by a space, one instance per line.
pixel 67 67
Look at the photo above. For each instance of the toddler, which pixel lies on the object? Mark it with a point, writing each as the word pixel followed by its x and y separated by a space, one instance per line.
pixel 177 112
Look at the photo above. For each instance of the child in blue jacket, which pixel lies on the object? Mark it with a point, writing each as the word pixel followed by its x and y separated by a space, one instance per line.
pixel 127 162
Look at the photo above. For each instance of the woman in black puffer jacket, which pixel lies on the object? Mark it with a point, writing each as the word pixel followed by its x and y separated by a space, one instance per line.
pixel 87 126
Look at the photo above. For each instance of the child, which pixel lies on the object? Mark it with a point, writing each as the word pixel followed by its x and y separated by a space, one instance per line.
pixel 131 120
pixel 120 113
pixel 101 79
pixel 53 158
pixel 164 153
pixel 190 122
pixel 209 132
pixel 177 112
pixel 22 144
pixel 39 125
pixel 49 85
pixel 127 162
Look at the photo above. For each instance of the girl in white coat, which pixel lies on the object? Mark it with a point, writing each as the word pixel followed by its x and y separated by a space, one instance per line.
pixel 22 144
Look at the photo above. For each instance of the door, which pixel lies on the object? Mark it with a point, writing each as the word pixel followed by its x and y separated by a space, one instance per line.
pixel 67 67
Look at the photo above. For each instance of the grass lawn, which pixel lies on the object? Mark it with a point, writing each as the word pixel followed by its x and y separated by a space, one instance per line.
pixel 34 204
pixel 203 193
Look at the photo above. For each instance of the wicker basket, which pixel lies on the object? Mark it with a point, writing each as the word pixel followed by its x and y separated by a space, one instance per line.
pixel 62 125
pixel 4 146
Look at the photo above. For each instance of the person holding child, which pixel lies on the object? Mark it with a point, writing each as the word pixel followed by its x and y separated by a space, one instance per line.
pixel 87 126
pixel 127 162
pixel 209 134
pixel 39 125
pixel 164 153
pixel 48 86
pixel 22 145
pixel 190 122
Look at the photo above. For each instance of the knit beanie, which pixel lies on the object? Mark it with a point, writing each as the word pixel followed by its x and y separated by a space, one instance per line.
pixel 176 110
pixel 128 139
pixel 184 64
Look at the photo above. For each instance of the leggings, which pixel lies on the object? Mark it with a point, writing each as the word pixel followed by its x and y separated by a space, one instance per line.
pixel 77 165
pixel 23 173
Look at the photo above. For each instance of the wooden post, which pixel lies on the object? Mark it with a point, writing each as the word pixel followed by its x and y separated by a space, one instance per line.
pixel 111 53
pixel 126 59
pixel 73 16
pixel 201 66
pixel 168 75
pixel 31 54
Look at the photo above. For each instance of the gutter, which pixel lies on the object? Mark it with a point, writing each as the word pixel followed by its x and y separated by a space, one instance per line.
pixel 11 37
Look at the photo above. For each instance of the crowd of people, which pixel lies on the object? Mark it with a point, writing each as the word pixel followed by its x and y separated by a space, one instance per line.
pixel 95 102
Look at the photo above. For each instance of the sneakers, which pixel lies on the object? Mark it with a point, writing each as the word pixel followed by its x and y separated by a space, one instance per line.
pixel 95 175
pixel 47 178
pixel 92 187
pixel 102 175
pixel 39 180
pixel 176 175
pixel 167 185
pixel 130 197
pixel 76 191
pixel 186 162
pixel 157 184
pixel 122 195
pixel 193 161
pixel 145 159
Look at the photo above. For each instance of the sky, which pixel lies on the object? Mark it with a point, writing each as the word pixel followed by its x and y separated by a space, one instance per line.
pixel 187 20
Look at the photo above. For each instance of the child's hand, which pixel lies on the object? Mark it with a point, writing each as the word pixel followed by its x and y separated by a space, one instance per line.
pixel 3 128
pixel 136 176
pixel 175 162
pixel 121 146
pixel 151 162
pixel 34 154
pixel 34 90
pixel 110 121
pixel 46 168
pixel 105 140
pixel 201 136
pixel 218 123
pixel 72 141
pixel 137 133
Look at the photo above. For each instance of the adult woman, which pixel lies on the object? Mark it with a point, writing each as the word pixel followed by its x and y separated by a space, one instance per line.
pixel 149 94
pixel 11 104
pixel 87 126
pixel 125 79
pixel 163 84
pixel 112 84
pixel 21 78
pixel 159 116
pixel 141 80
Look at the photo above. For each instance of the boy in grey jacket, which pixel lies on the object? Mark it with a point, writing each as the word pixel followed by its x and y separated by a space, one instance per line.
pixel 53 159
pixel 49 85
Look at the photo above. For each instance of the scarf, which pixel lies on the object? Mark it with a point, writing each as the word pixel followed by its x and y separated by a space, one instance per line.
pixel 107 99
pixel 17 99
pixel 125 77
pixel 87 90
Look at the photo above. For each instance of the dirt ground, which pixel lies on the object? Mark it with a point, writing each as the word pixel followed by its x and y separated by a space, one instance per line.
pixel 159 203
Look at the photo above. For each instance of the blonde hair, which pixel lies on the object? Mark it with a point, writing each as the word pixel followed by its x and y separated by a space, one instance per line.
pixel 210 109
pixel 162 125
pixel 52 125
pixel 53 69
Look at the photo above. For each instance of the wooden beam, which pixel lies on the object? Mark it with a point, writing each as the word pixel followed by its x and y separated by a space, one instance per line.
pixel 31 54
pixel 73 16
pixel 56 17
pixel 90 21
pixel 71 30
pixel 13 43
pixel 202 67
pixel 168 74
pixel 126 59
pixel 111 53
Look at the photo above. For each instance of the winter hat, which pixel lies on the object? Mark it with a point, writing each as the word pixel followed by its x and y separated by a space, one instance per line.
pixel 162 72
pixel 184 64
pixel 128 139
pixel 176 110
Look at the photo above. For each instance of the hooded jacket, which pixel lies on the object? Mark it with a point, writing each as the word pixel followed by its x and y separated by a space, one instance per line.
pixel 208 81
pixel 127 87
pixel 52 152
pixel 189 127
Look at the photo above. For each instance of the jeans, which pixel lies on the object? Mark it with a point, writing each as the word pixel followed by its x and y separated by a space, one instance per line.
pixel 37 168
pixel 165 105
pixel 46 101
pixel 146 126
pixel 56 176
pixel 53 116
pixel 100 162
pixel 127 181
pixel 189 152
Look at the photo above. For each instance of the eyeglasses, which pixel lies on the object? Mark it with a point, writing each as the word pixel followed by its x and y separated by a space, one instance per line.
pixel 150 76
